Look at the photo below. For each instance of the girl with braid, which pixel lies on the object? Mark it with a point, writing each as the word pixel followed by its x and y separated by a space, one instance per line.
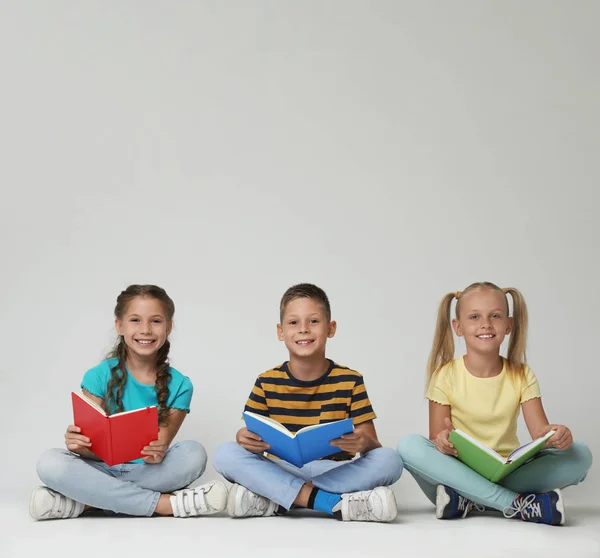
pixel 482 394
pixel 135 375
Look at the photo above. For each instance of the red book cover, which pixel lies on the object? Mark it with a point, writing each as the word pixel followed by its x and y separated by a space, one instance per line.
pixel 117 438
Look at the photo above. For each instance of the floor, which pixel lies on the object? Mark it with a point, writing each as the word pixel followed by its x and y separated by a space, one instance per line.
pixel 416 532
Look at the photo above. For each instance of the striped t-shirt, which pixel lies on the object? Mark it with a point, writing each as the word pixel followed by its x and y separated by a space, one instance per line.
pixel 338 394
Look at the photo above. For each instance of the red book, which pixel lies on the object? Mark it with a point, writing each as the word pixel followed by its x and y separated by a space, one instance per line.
pixel 117 438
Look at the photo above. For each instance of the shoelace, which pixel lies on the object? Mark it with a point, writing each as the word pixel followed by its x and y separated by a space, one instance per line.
pixel 191 502
pixel 62 507
pixel 258 505
pixel 360 506
pixel 520 505
pixel 469 507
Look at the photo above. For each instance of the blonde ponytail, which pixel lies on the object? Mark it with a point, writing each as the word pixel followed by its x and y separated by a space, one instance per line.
pixel 442 350
pixel 516 355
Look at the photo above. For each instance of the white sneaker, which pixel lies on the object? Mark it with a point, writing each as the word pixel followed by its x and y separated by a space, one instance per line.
pixel 378 505
pixel 242 502
pixel 203 500
pixel 47 504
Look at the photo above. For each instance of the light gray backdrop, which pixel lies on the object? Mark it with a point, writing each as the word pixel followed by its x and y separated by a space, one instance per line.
pixel 387 151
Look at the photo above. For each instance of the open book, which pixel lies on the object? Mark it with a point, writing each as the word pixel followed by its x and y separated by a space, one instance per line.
pixel 308 444
pixel 486 461
pixel 117 438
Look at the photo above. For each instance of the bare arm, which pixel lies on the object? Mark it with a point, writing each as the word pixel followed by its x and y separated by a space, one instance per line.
pixel 538 425
pixel 437 414
pixel 155 451
pixel 535 417
pixel 368 429
pixel 362 440
pixel 440 426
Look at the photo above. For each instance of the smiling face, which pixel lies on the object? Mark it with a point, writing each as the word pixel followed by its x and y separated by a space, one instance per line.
pixel 483 320
pixel 304 328
pixel 144 326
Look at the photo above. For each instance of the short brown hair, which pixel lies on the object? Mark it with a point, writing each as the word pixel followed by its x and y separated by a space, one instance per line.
pixel 305 290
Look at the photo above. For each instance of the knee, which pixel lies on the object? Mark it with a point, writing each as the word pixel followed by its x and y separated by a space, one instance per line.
pixel 192 457
pixel 389 462
pixel 51 466
pixel 582 456
pixel 226 453
pixel 412 447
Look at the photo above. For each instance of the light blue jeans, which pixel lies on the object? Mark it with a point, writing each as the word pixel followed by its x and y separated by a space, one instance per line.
pixel 550 469
pixel 130 488
pixel 281 481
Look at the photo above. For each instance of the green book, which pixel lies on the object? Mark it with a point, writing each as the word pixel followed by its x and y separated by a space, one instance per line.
pixel 486 461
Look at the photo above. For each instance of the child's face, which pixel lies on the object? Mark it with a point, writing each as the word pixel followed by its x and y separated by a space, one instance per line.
pixel 483 320
pixel 144 326
pixel 305 328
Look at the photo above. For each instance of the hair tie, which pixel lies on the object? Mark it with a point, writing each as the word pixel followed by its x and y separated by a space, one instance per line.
pixel 457 294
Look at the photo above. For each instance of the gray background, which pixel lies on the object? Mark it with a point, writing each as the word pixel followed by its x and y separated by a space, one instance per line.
pixel 387 151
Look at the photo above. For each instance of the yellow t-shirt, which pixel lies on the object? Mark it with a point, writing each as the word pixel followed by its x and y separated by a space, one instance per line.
pixel 485 408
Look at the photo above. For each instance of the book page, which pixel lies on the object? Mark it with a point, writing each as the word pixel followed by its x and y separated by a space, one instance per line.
pixel 134 411
pixel 313 426
pixel 526 447
pixel 91 403
pixel 271 422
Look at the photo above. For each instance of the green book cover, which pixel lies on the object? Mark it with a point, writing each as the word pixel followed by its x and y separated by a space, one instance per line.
pixel 486 461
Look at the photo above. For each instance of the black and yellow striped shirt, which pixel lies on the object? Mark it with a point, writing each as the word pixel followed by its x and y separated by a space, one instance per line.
pixel 338 394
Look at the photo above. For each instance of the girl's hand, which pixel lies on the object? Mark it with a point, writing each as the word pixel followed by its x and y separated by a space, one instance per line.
pixel 250 441
pixel 154 452
pixel 75 441
pixel 441 441
pixel 561 439
pixel 355 442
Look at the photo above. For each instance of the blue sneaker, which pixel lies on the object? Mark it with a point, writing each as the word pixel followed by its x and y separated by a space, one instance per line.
pixel 449 504
pixel 545 508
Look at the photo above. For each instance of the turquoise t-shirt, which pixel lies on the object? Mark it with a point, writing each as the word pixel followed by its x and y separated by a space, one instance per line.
pixel 137 395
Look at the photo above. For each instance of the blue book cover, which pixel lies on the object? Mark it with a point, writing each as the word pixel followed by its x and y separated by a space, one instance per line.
pixel 308 444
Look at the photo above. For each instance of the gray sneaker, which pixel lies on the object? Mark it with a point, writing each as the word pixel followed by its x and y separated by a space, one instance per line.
pixel 48 504
pixel 378 505
pixel 242 502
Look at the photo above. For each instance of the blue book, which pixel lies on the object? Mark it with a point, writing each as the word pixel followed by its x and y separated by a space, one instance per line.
pixel 308 444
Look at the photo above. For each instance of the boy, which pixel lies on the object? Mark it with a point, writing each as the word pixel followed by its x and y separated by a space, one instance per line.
pixel 311 389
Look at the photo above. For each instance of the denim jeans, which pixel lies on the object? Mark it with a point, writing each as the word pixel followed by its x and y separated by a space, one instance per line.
pixel 281 481
pixel 550 469
pixel 130 488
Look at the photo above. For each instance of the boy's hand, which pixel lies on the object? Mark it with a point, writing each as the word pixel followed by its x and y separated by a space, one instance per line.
pixel 441 441
pixel 154 452
pixel 75 441
pixel 250 441
pixel 561 439
pixel 355 442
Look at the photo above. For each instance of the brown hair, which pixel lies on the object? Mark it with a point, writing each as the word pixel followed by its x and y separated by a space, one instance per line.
pixel 118 373
pixel 442 350
pixel 305 290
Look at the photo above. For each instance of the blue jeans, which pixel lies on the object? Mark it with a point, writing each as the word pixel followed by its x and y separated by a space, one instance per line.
pixel 281 481
pixel 550 469
pixel 130 488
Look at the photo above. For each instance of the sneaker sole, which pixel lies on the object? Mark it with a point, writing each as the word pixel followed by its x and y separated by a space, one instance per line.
pixel 441 501
pixel 560 506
